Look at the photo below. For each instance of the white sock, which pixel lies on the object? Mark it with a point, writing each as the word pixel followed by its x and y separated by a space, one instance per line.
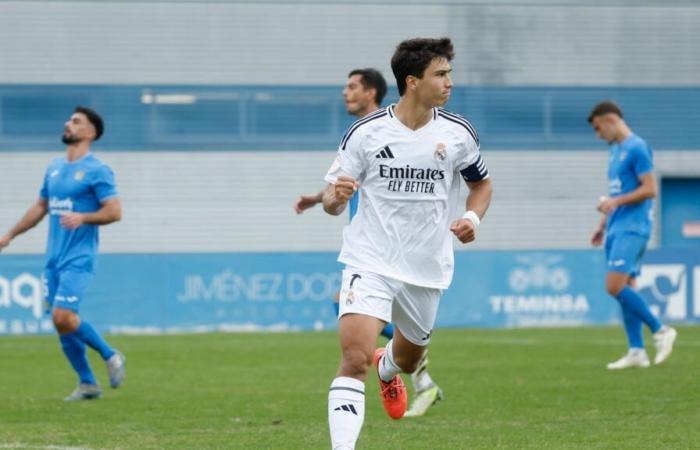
pixel 422 381
pixel 387 367
pixel 421 378
pixel 346 411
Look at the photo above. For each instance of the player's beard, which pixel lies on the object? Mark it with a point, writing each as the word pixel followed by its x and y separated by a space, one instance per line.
pixel 70 139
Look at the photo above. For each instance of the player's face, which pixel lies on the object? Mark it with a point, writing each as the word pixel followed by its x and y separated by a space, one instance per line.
pixel 358 100
pixel 77 129
pixel 435 87
pixel 604 127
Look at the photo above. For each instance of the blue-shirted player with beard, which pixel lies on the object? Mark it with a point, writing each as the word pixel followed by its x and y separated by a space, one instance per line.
pixel 626 226
pixel 363 94
pixel 79 194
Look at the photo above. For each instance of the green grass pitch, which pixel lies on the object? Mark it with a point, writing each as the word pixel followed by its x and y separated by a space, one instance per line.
pixel 505 389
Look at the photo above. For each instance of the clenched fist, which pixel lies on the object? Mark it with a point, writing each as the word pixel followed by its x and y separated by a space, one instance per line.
pixel 345 187
pixel 464 229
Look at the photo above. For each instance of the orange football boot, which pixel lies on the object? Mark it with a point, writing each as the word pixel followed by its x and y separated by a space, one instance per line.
pixel 393 393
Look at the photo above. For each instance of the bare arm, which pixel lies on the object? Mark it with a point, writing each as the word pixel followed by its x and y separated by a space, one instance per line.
pixel 336 196
pixel 646 190
pixel 478 201
pixel 305 202
pixel 31 218
pixel 479 197
pixel 599 233
pixel 111 211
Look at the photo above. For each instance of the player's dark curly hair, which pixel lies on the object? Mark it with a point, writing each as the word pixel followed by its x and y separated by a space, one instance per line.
pixel 94 119
pixel 372 79
pixel 413 56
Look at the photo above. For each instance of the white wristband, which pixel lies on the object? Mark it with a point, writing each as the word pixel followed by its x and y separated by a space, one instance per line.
pixel 471 215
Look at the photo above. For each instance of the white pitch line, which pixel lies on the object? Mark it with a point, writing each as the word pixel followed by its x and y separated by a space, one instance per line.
pixel 17 445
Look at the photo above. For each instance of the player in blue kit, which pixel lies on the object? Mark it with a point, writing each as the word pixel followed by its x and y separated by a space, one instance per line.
pixel 626 227
pixel 79 195
pixel 363 94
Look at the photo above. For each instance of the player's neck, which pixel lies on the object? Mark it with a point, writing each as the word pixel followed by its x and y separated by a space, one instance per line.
pixel 412 113
pixel 367 111
pixel 623 133
pixel 76 151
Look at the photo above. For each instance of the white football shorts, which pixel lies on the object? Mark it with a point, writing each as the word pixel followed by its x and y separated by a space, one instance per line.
pixel 412 309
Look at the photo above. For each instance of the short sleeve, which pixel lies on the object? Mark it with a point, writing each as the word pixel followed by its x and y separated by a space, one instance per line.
pixel 469 162
pixel 103 184
pixel 44 191
pixel 641 160
pixel 350 160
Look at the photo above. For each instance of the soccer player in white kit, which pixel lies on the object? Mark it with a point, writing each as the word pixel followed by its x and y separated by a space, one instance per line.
pixel 406 161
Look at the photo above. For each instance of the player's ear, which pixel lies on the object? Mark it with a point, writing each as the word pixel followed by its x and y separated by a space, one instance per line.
pixel 411 82
pixel 373 94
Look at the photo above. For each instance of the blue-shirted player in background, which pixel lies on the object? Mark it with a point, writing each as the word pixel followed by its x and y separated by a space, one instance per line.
pixel 363 94
pixel 626 226
pixel 79 194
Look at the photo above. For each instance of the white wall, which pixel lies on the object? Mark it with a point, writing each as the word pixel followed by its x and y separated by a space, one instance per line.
pixel 498 42
pixel 242 201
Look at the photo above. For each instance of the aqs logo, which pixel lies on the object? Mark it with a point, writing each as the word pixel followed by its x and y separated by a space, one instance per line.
pixel 25 291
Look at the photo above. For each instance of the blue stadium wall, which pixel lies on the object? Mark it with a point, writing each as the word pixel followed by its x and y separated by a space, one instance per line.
pixel 237 142
pixel 171 293
pixel 277 118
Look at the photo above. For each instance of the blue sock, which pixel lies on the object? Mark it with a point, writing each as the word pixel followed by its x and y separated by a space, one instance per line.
pixel 388 331
pixel 336 307
pixel 629 298
pixel 633 327
pixel 74 350
pixel 91 337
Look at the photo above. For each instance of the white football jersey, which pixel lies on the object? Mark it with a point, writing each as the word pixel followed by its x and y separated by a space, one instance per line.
pixel 409 193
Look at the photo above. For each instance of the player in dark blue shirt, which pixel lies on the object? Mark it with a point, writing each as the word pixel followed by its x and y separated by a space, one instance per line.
pixel 79 194
pixel 626 227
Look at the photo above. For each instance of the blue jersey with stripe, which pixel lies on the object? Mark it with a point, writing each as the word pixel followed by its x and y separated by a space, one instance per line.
pixel 354 203
pixel 75 186
pixel 628 161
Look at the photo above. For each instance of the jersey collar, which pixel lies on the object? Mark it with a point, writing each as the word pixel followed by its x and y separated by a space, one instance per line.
pixel 394 119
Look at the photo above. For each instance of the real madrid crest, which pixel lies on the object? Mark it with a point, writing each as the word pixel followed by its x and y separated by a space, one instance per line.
pixel 79 175
pixel 440 151
pixel 350 298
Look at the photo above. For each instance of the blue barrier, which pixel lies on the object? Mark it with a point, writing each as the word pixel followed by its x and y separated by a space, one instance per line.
pixel 237 117
pixel 161 293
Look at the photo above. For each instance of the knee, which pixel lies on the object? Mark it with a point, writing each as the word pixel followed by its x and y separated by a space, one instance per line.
pixel 355 362
pixel 614 287
pixel 65 321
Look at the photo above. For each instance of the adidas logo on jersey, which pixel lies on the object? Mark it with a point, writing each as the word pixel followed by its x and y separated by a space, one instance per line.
pixel 385 153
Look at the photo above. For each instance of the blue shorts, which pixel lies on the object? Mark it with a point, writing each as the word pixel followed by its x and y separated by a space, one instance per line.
pixel 65 289
pixel 624 252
